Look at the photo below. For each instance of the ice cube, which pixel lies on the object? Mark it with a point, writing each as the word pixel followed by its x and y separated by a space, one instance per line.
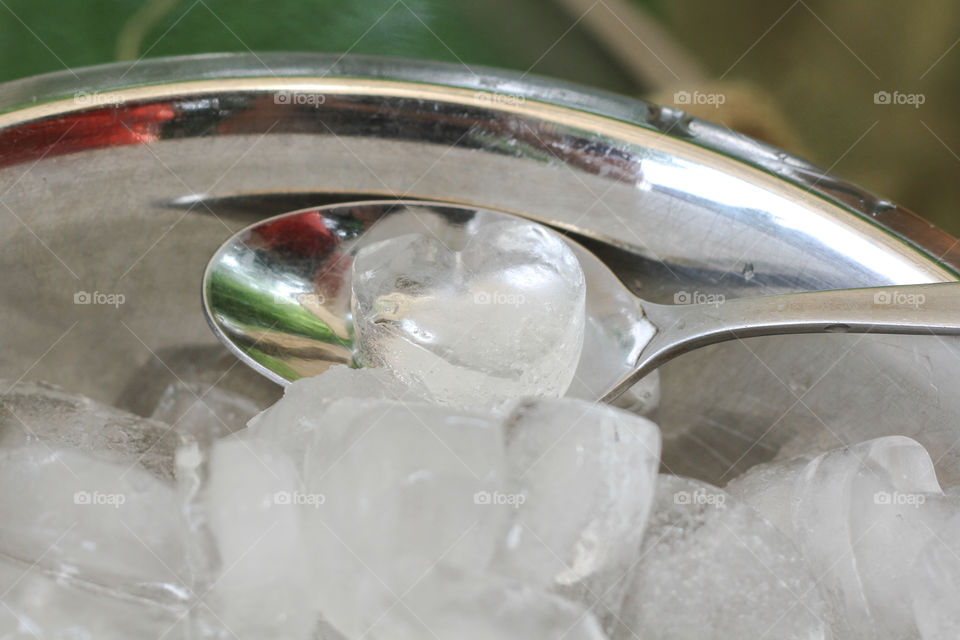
pixel 860 514
pixel 208 371
pixel 935 584
pixel 582 478
pixel 860 520
pixel 189 409
pixel 264 587
pixel 100 522
pixel 204 392
pixel 298 417
pixel 307 398
pixel 710 567
pixel 400 487
pixel 36 412
pixel 615 324
pixel 39 604
pixel 453 606
pixel 768 488
pixel 503 317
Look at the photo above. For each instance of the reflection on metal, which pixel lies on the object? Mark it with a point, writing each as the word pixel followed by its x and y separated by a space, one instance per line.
pixel 233 127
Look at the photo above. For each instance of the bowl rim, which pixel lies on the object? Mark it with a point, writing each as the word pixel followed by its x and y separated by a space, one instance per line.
pixel 57 93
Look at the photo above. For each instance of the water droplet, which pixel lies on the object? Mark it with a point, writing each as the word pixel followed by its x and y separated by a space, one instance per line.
pixel 748 271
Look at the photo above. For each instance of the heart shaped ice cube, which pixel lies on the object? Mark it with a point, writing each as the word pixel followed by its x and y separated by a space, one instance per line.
pixel 502 317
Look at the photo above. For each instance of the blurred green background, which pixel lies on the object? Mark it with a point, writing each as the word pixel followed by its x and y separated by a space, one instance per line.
pixel 802 74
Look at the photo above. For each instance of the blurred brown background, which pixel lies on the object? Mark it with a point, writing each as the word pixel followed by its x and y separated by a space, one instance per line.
pixel 800 73
pixel 822 63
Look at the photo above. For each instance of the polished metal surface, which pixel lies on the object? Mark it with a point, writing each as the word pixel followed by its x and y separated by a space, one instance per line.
pixel 919 309
pixel 130 185
pixel 278 295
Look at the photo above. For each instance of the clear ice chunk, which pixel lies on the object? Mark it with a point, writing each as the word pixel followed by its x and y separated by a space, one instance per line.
pixel 170 383
pixel 935 584
pixel 860 514
pixel 860 518
pixel 40 413
pixel 501 318
pixel 453 606
pixel 768 488
pixel 391 489
pixel 298 418
pixel 38 604
pixel 710 567
pixel 306 398
pixel 263 587
pixel 105 524
pixel 191 410
pixel 582 480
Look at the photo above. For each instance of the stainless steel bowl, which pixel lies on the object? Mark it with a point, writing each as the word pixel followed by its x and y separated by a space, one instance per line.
pixel 124 179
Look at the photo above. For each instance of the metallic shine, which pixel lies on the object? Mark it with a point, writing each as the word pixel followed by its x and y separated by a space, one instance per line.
pixel 134 196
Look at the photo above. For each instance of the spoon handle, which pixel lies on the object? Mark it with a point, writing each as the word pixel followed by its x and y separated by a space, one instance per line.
pixel 906 309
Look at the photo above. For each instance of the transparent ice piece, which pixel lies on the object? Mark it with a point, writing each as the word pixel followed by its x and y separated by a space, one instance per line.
pixel 582 478
pixel 711 568
pixel 453 606
pixel 97 522
pixel 264 586
pixel 501 318
pixel 935 584
pixel 40 413
pixel 860 518
pixel 396 488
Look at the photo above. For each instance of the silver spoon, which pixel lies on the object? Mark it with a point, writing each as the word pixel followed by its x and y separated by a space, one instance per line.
pixel 277 294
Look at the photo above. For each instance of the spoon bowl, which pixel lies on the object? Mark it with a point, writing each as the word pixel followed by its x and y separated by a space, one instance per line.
pixel 278 294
